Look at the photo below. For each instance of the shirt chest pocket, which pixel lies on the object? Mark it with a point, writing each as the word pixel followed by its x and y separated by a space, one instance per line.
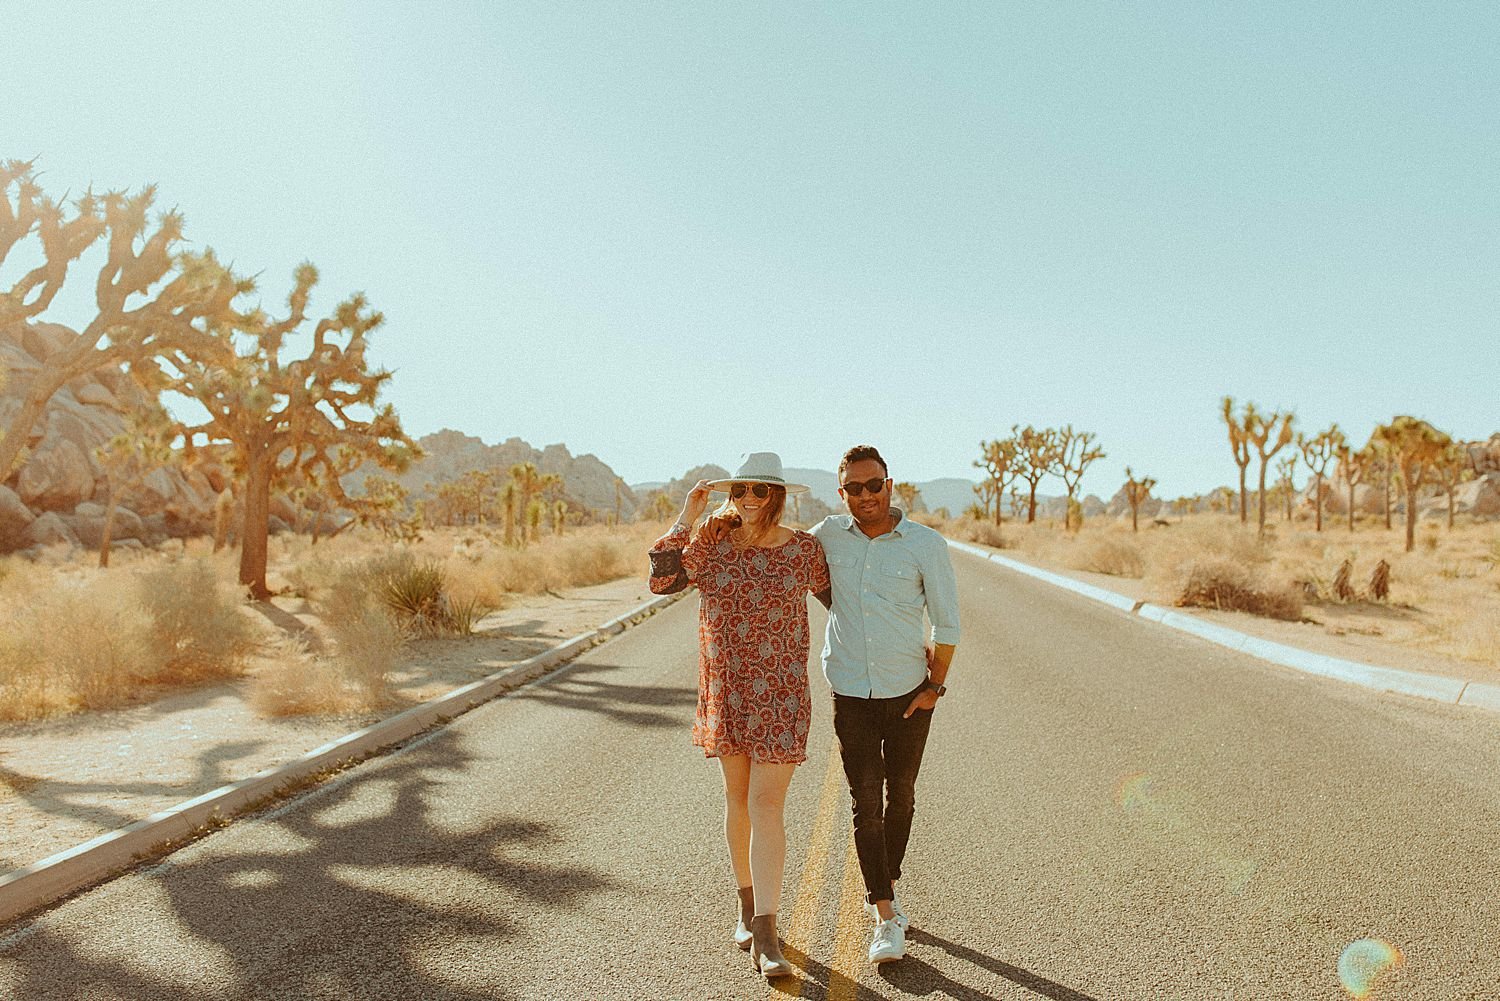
pixel 840 564
pixel 900 583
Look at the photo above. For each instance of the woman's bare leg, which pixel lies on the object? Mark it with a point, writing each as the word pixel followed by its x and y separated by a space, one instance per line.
pixel 767 789
pixel 737 814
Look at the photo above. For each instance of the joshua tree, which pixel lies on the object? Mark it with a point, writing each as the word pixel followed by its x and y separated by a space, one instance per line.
pixel 999 461
pixel 1285 467
pixel 128 458
pixel 661 507
pixel 534 513
pixel 1415 449
pixel 530 485
pixel 1037 454
pixel 1318 451
pixel 147 296
pixel 385 510
pixel 1354 466
pixel 510 498
pixel 908 493
pixel 223 512
pixel 987 494
pixel 1239 442
pixel 1379 460
pixel 559 517
pixel 1075 453
pixel 1269 434
pixel 281 420
pixel 1136 491
pixel 1455 466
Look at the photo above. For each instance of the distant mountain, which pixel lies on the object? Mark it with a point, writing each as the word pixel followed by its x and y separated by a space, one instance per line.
pixel 952 492
pixel 821 484
pixel 450 454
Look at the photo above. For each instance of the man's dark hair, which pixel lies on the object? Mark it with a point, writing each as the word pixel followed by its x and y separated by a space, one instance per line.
pixel 859 453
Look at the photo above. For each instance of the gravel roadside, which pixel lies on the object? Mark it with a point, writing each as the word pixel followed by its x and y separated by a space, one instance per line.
pixel 67 780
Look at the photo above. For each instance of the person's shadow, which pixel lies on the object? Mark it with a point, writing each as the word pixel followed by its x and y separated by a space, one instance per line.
pixel 912 976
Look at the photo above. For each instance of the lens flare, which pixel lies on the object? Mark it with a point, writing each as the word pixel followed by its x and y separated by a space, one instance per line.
pixel 1134 792
pixel 1363 962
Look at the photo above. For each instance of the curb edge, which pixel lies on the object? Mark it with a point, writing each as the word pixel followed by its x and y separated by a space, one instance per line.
pixel 31 888
pixel 1386 679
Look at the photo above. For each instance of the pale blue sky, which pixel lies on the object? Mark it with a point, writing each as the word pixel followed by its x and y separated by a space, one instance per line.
pixel 670 233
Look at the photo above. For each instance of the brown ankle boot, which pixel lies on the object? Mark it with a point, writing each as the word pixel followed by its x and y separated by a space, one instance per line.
pixel 765 949
pixel 742 936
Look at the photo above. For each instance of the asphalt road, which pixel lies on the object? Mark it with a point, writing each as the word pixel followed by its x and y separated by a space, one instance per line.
pixel 1108 810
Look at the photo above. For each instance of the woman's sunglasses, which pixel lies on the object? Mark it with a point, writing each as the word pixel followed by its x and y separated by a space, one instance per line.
pixel 760 490
pixel 857 487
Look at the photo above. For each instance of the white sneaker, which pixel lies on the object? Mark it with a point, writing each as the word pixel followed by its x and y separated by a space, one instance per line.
pixel 889 943
pixel 901 918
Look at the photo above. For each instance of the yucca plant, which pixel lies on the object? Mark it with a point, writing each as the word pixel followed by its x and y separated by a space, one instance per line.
pixel 416 593
pixel 464 614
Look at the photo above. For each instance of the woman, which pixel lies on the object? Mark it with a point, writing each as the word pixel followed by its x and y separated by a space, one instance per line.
pixel 753 705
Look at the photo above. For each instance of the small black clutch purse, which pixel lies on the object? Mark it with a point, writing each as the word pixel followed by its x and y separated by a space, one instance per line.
pixel 667 564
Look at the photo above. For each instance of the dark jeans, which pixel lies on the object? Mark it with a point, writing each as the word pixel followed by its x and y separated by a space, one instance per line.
pixel 882 753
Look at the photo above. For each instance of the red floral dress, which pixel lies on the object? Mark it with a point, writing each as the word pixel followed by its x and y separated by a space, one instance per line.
pixel 752 642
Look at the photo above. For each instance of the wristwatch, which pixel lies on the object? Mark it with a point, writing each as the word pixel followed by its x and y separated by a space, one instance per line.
pixel 941 690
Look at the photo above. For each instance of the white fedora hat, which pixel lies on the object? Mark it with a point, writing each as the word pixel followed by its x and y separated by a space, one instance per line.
pixel 759 467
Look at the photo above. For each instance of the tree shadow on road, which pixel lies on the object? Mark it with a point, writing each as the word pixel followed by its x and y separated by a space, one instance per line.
pixel 364 889
pixel 579 687
pixel 74 800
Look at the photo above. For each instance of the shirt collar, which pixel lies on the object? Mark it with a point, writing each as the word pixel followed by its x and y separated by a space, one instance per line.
pixel 896 529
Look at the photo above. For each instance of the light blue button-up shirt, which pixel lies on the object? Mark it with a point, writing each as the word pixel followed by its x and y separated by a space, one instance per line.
pixel 875 647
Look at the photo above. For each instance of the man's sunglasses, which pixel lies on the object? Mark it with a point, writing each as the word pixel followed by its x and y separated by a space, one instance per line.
pixel 760 490
pixel 857 487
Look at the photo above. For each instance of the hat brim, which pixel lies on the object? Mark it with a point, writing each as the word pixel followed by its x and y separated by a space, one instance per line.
pixel 722 486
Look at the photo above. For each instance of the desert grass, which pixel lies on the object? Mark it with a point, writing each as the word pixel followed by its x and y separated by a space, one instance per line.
pixel 1445 595
pixel 80 638
pixel 75 637
pixel 373 599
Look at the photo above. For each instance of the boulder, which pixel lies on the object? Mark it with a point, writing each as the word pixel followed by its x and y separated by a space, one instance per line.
pixel 14 519
pixel 1480 498
pixel 154 529
pixel 58 477
pixel 1119 506
pixel 87 523
pixel 49 529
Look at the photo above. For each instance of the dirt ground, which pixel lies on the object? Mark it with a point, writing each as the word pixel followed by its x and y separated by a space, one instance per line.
pixel 67 780
pixel 1353 632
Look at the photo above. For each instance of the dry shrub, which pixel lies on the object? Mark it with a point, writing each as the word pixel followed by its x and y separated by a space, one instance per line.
pixel 365 646
pixel 294 683
pixel 982 532
pixel 589 556
pixel 1109 556
pixel 1231 586
pixel 70 643
pixel 367 640
pixel 196 623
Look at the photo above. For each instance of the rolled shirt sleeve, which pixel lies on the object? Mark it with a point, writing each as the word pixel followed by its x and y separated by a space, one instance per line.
pixel 941 588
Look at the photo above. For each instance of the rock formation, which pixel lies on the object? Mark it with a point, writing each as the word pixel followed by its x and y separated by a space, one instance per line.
pixel 449 454
pixel 57 493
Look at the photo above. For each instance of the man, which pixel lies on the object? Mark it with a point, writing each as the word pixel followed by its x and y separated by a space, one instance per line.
pixel 886 570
